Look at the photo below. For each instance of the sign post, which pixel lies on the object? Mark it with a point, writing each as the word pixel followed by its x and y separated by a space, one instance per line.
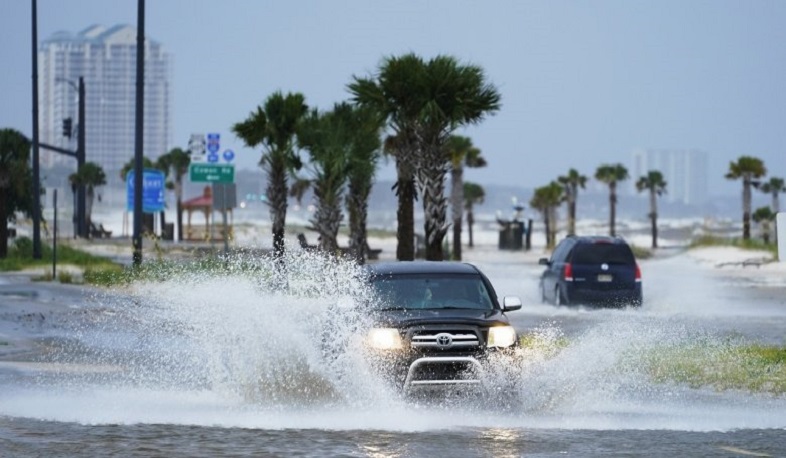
pixel 780 231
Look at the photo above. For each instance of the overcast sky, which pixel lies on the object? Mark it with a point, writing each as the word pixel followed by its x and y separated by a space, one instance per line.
pixel 582 82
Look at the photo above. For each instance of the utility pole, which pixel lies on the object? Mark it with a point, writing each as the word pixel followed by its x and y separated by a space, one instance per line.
pixel 36 172
pixel 138 141
pixel 80 161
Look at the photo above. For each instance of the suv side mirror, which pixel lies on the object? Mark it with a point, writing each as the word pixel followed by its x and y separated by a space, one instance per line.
pixel 544 262
pixel 510 303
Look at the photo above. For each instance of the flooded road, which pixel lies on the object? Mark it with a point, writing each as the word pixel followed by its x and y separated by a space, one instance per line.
pixel 217 366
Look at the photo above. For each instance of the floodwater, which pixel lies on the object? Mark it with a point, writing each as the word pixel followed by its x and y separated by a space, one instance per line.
pixel 222 365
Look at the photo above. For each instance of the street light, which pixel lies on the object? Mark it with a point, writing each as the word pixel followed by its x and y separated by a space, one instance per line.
pixel 80 153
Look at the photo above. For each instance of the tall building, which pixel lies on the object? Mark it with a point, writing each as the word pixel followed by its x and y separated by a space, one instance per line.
pixel 685 172
pixel 106 59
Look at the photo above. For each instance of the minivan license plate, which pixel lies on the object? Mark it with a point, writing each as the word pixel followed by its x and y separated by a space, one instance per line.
pixel 604 278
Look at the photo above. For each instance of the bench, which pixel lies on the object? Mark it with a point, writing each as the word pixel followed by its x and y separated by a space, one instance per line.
pixel 98 232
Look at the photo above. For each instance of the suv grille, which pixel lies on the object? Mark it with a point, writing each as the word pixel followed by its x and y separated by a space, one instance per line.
pixel 445 339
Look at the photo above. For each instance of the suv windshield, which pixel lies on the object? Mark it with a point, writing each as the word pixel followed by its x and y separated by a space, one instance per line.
pixel 432 291
pixel 598 253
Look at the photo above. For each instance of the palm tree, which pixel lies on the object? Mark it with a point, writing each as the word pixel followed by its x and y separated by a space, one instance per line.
pixel 461 153
pixel 177 162
pixel 274 126
pixel 90 175
pixel 473 195
pixel 764 216
pixel 611 175
pixel 749 170
pixel 774 187
pixel 426 102
pixel 129 166
pixel 572 182
pixel 362 167
pixel 656 185
pixel 391 97
pixel 546 199
pixel 326 138
pixel 16 179
pixel 454 95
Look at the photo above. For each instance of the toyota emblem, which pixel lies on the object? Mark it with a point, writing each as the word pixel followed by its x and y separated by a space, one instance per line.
pixel 444 340
pixel 604 266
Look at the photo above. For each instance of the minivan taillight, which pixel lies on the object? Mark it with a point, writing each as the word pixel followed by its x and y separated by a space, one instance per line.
pixel 638 273
pixel 568 272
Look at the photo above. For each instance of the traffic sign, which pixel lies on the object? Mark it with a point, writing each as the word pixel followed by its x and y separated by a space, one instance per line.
pixel 196 144
pixel 229 155
pixel 212 173
pixel 213 144
pixel 212 158
pixel 152 191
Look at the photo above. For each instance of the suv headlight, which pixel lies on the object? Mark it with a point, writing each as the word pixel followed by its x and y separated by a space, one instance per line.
pixel 501 336
pixel 385 339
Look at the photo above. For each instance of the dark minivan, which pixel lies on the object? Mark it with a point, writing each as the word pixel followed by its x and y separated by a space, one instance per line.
pixel 592 270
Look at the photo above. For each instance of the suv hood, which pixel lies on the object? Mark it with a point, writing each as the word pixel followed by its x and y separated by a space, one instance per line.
pixel 406 318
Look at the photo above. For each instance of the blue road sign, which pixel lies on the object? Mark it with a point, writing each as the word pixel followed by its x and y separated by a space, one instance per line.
pixel 152 191
pixel 212 157
pixel 229 155
pixel 213 143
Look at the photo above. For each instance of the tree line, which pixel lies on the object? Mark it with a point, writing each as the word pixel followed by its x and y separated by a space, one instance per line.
pixel 408 110
pixel 750 170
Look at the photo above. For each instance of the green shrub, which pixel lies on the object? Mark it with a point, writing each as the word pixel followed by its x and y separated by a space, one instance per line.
pixel 750 244
pixel 65 277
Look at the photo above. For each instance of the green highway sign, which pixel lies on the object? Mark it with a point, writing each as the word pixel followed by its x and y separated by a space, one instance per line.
pixel 211 173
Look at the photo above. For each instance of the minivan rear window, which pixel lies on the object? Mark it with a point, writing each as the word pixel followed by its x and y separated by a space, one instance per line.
pixel 598 253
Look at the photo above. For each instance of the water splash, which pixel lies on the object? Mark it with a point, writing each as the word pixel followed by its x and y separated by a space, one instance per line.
pixel 229 347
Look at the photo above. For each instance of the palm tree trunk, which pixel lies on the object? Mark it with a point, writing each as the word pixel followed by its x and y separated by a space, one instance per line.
pixel 89 208
pixel 612 208
pixel 746 208
pixel 431 180
pixel 3 222
pixel 547 225
pixel 277 197
pixel 553 221
pixel 327 219
pixel 457 198
pixel 405 213
pixel 357 203
pixel 470 223
pixel 179 199
pixel 654 217
pixel 572 213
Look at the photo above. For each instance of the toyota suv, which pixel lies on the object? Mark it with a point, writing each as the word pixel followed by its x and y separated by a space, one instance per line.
pixel 436 323
pixel 591 270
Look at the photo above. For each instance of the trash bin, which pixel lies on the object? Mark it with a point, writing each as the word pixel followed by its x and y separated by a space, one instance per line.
pixel 169 231
pixel 511 235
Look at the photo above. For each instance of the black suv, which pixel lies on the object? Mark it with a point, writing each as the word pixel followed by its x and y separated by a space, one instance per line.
pixel 435 323
pixel 595 270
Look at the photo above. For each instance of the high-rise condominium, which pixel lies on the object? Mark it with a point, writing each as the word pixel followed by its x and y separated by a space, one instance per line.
pixel 106 59
pixel 685 173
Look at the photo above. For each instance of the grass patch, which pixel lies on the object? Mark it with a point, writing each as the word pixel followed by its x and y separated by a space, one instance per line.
pixel 641 253
pixel 755 368
pixel 163 270
pixel 20 256
pixel 750 244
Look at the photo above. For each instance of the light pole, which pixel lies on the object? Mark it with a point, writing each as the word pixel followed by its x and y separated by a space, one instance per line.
pixel 36 173
pixel 81 220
